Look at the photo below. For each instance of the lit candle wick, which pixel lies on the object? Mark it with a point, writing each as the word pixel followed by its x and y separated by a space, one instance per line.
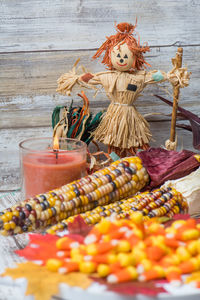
pixel 56 153
pixel 56 147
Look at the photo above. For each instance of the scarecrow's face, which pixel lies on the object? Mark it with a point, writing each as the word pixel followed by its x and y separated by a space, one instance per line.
pixel 122 58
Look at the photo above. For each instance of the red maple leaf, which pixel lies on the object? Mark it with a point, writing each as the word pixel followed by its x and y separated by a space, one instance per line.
pixel 78 226
pixel 134 287
pixel 40 247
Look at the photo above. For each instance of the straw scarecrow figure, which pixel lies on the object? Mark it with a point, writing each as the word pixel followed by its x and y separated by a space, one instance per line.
pixel 122 128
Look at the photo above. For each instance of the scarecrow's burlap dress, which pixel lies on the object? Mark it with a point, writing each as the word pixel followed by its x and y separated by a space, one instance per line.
pixel 123 126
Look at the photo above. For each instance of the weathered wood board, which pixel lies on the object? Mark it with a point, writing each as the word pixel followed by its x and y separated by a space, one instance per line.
pixel 83 24
pixel 28 84
pixel 40 40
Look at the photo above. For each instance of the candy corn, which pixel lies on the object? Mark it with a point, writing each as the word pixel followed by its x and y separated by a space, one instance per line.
pixel 154 273
pixel 54 264
pixel 66 243
pixel 155 253
pixel 93 249
pixel 68 267
pixel 124 250
pixel 126 274
pixel 173 275
pixel 193 264
pixel 93 237
pixel 87 267
pixel 107 258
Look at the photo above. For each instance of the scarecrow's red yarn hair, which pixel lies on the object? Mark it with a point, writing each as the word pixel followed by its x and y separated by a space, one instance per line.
pixel 124 35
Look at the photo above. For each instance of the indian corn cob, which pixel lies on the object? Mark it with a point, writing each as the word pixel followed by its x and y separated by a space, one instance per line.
pixel 121 179
pixel 160 202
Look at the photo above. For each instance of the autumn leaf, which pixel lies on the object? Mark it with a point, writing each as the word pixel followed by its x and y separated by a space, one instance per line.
pixel 42 283
pixel 78 226
pixel 131 288
pixel 38 247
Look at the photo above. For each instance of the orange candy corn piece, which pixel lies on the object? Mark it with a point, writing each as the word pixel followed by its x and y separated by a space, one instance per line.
pixel 154 253
pixel 105 247
pixel 133 240
pixel 190 224
pixel 100 248
pixel 187 267
pixel 106 258
pixel 173 274
pixel 172 242
pixel 93 236
pixel 66 243
pixel 116 234
pixel 154 273
pixel 123 275
pixel 68 267
pixel 63 253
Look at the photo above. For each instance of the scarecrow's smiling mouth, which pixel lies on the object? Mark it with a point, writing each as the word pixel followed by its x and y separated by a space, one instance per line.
pixel 121 65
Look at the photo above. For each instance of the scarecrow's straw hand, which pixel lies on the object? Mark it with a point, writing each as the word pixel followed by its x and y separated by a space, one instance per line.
pixel 68 80
pixel 179 77
pixel 66 83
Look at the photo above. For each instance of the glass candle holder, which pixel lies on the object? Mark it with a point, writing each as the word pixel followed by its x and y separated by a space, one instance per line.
pixel 44 169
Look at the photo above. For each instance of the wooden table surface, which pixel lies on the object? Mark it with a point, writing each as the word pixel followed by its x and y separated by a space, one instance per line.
pixel 9 244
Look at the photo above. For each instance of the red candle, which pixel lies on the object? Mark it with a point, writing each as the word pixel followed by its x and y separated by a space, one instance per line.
pixel 47 170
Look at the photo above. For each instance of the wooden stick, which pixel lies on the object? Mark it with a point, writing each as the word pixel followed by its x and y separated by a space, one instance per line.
pixel 176 89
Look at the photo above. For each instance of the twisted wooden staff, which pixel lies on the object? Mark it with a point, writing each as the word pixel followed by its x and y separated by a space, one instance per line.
pixel 172 142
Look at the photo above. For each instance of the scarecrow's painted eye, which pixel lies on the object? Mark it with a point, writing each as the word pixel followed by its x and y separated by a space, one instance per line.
pixel 118 55
pixel 125 56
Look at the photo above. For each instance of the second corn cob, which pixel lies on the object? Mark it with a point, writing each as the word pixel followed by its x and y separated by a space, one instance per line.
pixel 121 179
pixel 160 202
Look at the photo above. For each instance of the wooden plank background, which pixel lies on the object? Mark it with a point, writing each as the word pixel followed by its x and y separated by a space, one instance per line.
pixel 40 40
